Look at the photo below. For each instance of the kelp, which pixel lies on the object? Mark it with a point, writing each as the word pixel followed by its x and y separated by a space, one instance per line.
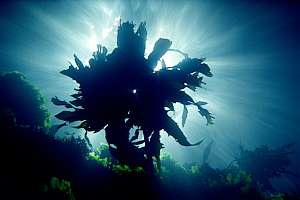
pixel 120 91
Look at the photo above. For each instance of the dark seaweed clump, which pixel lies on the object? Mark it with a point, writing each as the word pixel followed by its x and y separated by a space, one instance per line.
pixel 31 110
pixel 123 91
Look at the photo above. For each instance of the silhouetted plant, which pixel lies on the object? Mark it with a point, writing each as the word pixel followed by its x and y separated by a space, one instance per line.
pixel 29 157
pixel 122 91
pixel 23 101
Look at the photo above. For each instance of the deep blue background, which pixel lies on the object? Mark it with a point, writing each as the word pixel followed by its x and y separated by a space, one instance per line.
pixel 252 47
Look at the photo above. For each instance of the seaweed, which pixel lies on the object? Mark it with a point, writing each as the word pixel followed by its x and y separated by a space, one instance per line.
pixel 122 90
pixel 23 101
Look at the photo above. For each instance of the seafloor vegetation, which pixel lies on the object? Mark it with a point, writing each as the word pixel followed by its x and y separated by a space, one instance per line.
pixel 35 165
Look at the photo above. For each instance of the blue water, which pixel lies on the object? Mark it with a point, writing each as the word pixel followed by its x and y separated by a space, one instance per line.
pixel 252 48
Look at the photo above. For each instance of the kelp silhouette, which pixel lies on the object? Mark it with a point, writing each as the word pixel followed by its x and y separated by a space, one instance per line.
pixel 121 91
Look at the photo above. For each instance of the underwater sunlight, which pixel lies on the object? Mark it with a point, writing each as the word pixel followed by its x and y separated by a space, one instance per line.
pixel 252 48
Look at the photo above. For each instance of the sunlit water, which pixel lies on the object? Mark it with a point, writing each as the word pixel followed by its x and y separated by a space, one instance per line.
pixel 252 48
